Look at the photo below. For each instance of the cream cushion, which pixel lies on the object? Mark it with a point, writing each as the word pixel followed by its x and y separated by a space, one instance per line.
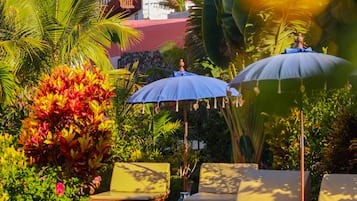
pixel 338 187
pixel 140 177
pixel 137 181
pixel 222 177
pixel 272 185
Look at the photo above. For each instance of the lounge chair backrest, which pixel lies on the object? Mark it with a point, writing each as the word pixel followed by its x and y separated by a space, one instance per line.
pixel 141 177
pixel 338 187
pixel 272 185
pixel 222 177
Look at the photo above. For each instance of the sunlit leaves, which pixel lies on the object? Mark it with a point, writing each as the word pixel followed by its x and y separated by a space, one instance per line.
pixel 68 124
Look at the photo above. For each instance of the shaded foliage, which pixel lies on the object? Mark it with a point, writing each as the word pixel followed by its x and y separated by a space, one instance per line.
pixel 341 153
pixel 329 127
pixel 138 135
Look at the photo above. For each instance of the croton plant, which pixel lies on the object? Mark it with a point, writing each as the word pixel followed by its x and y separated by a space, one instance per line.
pixel 68 125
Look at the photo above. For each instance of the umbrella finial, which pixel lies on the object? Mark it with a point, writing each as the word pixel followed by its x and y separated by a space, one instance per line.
pixel 157 107
pixel 256 88
pixel 325 85
pixel 241 101
pixel 143 109
pixel 348 86
pixel 195 106
pixel 299 41
pixel 181 65
pixel 302 87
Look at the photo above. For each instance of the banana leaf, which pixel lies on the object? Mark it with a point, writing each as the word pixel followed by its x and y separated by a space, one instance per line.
pixel 212 34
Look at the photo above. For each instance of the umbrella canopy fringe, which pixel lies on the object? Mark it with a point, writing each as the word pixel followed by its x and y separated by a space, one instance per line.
pixel 157 108
pixel 143 109
pixel 196 105
pixel 256 88
pixel 302 86
pixel 325 85
pixel 279 87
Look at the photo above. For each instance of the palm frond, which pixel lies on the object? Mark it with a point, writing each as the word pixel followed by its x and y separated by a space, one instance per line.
pixel 79 30
pixel 8 86
pixel 212 34
pixel 193 39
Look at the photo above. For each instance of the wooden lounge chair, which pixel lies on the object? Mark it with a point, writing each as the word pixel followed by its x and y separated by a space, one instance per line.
pixel 273 185
pixel 137 181
pixel 220 181
pixel 338 187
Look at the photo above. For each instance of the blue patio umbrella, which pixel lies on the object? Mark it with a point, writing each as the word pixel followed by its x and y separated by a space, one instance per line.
pixel 293 70
pixel 183 86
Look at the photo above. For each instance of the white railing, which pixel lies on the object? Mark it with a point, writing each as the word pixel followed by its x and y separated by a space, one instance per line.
pixel 104 1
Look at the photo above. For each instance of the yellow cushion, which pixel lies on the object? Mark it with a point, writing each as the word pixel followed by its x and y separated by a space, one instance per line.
pixel 222 177
pixel 337 187
pixel 272 185
pixel 141 177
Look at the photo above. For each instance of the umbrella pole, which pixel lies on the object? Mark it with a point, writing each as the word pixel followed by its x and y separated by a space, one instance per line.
pixel 185 149
pixel 302 158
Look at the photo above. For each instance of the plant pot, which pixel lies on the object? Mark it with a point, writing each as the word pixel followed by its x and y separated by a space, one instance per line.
pixel 183 195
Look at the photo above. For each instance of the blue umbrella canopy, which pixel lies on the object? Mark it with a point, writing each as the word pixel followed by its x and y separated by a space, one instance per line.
pixel 183 86
pixel 317 69
pixel 295 69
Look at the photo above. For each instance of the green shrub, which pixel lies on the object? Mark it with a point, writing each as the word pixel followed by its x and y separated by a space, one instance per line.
pixel 21 182
pixel 340 155
pixel 11 163
pixel 11 116
pixel 46 184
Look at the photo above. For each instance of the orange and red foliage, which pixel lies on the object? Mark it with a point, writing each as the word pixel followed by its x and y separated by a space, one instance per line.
pixel 68 125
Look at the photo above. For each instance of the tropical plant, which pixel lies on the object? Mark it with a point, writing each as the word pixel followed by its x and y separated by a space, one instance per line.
pixel 78 31
pixel 17 41
pixel 11 162
pixel 340 154
pixel 337 28
pixel 193 39
pixel 255 29
pixel 144 142
pixel 12 115
pixel 176 5
pixel 21 181
pixel 208 126
pixel 37 35
pixel 134 141
pixel 47 184
pixel 68 125
pixel 171 54
pixel 237 33
pixel 42 34
pixel 328 127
